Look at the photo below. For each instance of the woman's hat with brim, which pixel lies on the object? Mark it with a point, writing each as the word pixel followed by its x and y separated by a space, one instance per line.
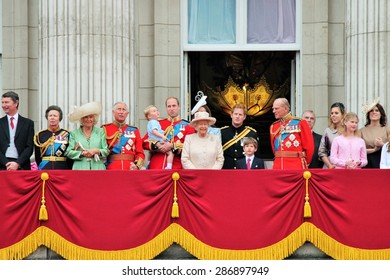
pixel 369 106
pixel 92 108
pixel 200 103
pixel 202 116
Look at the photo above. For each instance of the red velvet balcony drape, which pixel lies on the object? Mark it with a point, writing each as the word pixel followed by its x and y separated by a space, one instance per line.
pixel 226 214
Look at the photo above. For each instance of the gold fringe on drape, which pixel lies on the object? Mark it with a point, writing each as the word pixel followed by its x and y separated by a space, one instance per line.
pixel 176 233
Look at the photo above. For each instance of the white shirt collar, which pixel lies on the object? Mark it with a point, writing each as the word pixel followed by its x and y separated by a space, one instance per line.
pixel 251 158
pixel 16 116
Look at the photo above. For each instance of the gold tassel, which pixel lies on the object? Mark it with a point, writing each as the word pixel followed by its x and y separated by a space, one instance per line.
pixel 43 215
pixel 175 206
pixel 307 207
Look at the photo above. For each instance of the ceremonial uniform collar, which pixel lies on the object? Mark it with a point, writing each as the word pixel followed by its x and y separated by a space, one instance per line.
pixel 286 118
pixel 175 119
pixel 118 124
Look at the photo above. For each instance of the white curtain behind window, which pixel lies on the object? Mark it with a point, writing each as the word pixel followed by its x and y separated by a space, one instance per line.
pixel 271 21
pixel 211 21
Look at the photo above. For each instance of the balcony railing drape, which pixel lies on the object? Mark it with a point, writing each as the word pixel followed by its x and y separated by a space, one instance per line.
pixel 225 214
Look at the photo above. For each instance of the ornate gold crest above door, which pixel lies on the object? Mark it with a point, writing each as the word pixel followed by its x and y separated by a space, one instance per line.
pixel 257 99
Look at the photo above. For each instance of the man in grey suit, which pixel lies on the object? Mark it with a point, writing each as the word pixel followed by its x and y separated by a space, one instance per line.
pixel 16 135
pixel 310 117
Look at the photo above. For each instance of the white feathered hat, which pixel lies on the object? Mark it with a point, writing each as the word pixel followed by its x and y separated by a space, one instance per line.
pixel 201 102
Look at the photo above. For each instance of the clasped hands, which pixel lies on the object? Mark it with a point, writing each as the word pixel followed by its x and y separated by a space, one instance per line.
pixel 91 153
pixel 164 147
pixel 351 164
pixel 12 165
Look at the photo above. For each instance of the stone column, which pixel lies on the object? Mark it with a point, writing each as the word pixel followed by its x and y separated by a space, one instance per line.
pixel 368 53
pixel 86 53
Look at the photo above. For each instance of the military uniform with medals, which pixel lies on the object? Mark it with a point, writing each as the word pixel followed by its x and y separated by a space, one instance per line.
pixel 176 130
pixel 232 138
pixel 292 143
pixel 125 144
pixel 50 147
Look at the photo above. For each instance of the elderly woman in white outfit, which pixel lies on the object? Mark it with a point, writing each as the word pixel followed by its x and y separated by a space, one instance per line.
pixel 202 150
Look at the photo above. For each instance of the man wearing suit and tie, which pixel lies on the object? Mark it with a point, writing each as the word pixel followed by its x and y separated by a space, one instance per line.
pixel 16 135
pixel 250 161
pixel 310 117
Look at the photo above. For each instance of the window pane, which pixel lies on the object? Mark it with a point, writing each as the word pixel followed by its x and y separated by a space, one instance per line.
pixel 211 22
pixel 271 21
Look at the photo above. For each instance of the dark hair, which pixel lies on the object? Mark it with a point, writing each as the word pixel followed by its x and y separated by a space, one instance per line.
pixel 340 106
pixel 55 108
pixel 383 119
pixel 13 95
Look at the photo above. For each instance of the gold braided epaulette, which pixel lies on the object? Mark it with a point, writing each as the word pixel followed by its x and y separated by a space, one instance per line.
pixel 224 127
pixel 251 128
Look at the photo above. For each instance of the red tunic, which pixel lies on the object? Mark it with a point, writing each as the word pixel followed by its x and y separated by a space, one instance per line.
pixel 176 131
pixel 125 146
pixel 289 138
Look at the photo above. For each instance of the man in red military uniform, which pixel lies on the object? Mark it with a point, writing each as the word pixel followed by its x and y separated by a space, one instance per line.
pixel 124 141
pixel 291 139
pixel 176 130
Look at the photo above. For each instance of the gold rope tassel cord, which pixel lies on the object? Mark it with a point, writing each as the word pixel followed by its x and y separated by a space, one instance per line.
pixel 43 216
pixel 307 207
pixel 175 206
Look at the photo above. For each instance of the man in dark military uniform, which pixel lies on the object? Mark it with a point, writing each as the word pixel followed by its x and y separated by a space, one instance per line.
pixel 233 135
pixel 124 141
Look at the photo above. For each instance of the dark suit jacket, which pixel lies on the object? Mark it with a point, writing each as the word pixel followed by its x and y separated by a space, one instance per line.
pixel 257 163
pixel 23 141
pixel 316 162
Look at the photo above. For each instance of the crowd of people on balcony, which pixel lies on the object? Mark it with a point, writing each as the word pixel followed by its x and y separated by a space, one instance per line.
pixel 175 143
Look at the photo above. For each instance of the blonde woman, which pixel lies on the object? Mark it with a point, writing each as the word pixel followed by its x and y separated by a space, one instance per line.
pixel 87 145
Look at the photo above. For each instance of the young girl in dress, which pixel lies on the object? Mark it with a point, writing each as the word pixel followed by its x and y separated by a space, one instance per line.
pixel 348 150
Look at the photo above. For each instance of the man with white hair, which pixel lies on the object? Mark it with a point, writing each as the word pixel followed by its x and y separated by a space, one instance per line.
pixel 291 139
pixel 124 141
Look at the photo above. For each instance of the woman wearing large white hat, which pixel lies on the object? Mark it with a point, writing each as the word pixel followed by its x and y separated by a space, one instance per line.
pixel 87 145
pixel 202 150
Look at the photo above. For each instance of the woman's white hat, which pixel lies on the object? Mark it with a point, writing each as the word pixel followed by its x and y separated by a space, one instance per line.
pixel 199 104
pixel 92 108
pixel 369 106
pixel 202 116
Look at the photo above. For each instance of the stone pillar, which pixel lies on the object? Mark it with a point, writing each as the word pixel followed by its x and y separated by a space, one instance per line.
pixel 86 53
pixel 368 54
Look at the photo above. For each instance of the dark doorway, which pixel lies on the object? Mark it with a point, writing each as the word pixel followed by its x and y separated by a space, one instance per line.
pixel 256 78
